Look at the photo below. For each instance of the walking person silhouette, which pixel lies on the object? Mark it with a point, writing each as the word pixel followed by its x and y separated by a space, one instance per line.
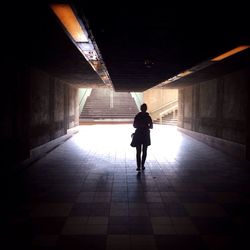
pixel 141 138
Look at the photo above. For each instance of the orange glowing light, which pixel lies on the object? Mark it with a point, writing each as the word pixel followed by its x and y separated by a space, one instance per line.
pixel 230 53
pixel 67 17
pixel 185 73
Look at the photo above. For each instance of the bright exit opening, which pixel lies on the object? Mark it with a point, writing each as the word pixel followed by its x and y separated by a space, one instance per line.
pixel 104 105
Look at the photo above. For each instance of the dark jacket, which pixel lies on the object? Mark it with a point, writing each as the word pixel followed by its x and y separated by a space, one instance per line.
pixel 142 123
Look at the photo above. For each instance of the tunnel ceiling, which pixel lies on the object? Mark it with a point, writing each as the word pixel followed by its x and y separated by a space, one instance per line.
pixel 142 46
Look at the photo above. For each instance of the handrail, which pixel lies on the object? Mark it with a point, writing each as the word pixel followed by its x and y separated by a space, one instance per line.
pixel 170 106
pixel 168 110
pixel 165 105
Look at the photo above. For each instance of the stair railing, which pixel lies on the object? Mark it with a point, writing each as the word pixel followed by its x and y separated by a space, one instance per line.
pixel 164 109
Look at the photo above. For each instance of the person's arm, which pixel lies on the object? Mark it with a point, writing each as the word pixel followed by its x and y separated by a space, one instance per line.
pixel 135 124
pixel 151 123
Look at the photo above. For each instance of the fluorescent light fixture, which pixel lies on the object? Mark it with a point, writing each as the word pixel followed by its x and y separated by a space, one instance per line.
pixel 230 53
pixel 90 55
pixel 69 20
pixel 174 78
pixel 86 46
pixel 185 73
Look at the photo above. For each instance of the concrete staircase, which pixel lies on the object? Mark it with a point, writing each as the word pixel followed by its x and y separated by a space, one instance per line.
pixel 166 114
pixel 106 105
pixel 167 120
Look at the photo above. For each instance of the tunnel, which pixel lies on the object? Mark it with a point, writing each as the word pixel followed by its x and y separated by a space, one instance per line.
pixel 72 184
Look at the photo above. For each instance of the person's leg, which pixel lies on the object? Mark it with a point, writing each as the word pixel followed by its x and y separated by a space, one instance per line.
pixel 138 157
pixel 144 155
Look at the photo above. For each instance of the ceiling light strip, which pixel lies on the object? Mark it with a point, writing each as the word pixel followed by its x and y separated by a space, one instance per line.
pixel 230 53
pixel 66 15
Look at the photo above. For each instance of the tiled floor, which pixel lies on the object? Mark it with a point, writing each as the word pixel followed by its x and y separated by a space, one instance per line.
pixel 86 194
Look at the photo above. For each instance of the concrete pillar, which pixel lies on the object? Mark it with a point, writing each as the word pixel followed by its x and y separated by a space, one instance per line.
pixel 181 108
pixel 111 103
pixel 196 108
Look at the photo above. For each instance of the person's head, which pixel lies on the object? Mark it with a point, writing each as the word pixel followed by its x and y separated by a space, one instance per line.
pixel 144 107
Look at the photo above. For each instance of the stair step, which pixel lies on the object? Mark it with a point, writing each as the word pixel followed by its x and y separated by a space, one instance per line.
pixel 97 105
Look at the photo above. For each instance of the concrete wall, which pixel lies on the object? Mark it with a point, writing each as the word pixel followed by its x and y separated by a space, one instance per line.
pixel 36 109
pixel 218 109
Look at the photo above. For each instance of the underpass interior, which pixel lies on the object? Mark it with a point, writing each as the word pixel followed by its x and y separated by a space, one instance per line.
pixel 86 194
pixel 75 187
